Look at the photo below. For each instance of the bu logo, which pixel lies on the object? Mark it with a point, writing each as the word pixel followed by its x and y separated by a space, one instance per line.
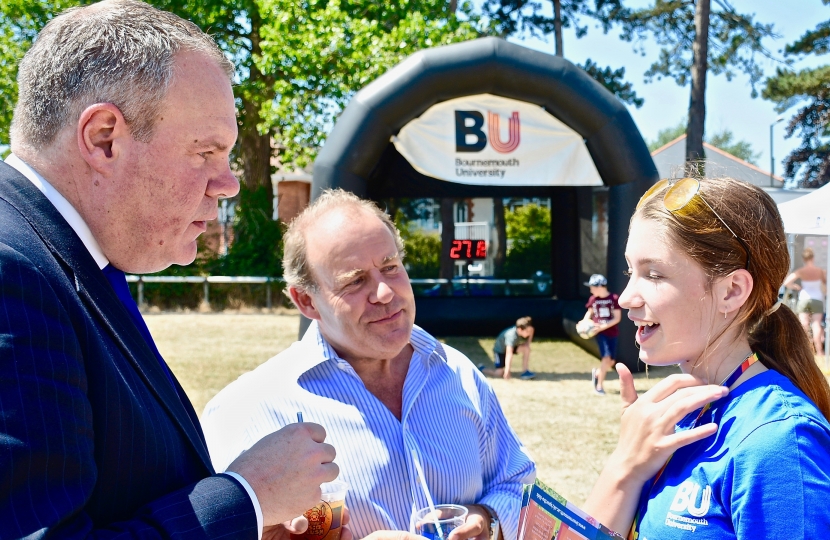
pixel 471 123
pixel 686 499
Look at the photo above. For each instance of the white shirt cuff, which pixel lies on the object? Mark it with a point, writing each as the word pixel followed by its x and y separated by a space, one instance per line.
pixel 254 500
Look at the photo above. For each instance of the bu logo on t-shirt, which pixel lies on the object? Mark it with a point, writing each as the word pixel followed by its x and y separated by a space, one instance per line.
pixel 686 499
pixel 689 500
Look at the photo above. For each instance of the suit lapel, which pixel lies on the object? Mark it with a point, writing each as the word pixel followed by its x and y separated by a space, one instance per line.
pixel 97 293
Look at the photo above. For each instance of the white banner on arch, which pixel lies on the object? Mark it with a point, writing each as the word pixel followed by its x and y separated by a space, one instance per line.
pixel 488 140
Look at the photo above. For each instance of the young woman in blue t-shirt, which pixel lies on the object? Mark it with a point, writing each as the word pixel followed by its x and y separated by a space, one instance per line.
pixel 706 260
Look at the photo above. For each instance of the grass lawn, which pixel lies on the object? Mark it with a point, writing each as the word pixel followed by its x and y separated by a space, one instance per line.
pixel 569 430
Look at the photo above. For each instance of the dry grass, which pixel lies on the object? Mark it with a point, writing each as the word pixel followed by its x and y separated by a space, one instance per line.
pixel 569 430
pixel 207 351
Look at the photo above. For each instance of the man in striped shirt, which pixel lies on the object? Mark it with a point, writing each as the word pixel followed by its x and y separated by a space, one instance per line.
pixel 387 392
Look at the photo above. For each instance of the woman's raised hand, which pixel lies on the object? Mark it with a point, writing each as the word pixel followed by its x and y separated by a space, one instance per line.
pixel 647 424
pixel 647 441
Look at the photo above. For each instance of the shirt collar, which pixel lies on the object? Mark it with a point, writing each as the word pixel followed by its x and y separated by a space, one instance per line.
pixel 72 217
pixel 424 344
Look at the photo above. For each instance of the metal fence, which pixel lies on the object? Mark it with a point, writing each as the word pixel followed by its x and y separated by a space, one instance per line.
pixel 205 281
pixel 543 286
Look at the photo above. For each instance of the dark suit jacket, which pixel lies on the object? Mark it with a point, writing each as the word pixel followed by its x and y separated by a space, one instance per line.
pixel 94 441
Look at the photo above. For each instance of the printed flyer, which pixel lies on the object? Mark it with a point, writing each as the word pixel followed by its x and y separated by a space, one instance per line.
pixel 546 515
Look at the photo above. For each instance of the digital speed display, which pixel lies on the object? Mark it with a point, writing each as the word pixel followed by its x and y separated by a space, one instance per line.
pixel 468 249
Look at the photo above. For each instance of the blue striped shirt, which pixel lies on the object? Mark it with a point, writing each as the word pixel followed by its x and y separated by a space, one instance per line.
pixel 451 418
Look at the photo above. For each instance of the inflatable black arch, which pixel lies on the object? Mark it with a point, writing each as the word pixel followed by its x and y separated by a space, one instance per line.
pixel 359 157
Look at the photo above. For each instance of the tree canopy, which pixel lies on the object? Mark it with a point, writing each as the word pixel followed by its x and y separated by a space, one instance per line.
pixel 298 62
pixel 20 21
pixel 528 231
pixel 735 40
pixel 695 40
pixel 667 135
pixel 725 140
pixel 809 88
pixel 526 18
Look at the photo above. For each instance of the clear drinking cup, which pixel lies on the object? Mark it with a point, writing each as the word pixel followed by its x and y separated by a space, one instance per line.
pixel 437 524
pixel 326 518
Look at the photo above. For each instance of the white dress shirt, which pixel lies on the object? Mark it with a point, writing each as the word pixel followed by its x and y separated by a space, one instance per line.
pixel 63 206
pixel 74 219
pixel 451 419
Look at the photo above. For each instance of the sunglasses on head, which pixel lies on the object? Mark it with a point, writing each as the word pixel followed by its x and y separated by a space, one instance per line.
pixel 679 194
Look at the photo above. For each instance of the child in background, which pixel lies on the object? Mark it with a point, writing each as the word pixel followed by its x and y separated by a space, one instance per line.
pixel 515 339
pixel 605 312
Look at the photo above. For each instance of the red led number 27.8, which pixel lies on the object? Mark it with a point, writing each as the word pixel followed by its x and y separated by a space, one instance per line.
pixel 468 249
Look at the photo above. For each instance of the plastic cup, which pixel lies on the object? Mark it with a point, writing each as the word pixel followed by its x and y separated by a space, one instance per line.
pixel 325 519
pixel 448 516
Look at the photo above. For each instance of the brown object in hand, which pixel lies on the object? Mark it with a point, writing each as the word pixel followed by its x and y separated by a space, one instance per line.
pixel 325 520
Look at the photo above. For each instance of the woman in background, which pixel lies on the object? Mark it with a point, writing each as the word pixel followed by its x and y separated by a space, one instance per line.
pixel 811 291
pixel 706 260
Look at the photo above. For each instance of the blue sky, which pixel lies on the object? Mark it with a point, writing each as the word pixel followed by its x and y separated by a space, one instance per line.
pixel 728 104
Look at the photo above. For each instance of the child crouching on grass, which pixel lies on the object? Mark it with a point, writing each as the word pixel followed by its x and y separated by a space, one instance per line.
pixel 515 339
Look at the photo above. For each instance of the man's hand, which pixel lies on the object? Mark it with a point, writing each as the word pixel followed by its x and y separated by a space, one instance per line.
pixel 285 470
pixel 477 525
pixel 299 525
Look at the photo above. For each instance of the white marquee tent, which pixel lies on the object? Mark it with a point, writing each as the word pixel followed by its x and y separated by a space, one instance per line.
pixel 810 215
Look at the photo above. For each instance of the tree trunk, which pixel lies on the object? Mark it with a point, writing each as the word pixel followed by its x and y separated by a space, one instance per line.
pixel 453 6
pixel 557 27
pixel 447 235
pixel 501 237
pixel 254 149
pixel 697 101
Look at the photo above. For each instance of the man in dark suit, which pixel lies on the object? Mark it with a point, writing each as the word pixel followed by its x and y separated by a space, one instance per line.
pixel 120 151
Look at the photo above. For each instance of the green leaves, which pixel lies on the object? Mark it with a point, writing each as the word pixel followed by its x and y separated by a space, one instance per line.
pixel 812 42
pixel 257 246
pixel 665 136
pixel 528 231
pixel 525 17
pixel 740 149
pixel 318 54
pixel 20 21
pixel 735 40
pixel 788 88
pixel 614 81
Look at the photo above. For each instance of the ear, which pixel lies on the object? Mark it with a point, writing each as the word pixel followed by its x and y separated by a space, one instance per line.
pixel 732 291
pixel 304 302
pixel 102 136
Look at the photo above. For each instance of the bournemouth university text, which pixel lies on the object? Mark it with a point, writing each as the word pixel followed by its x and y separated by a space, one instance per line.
pixel 491 167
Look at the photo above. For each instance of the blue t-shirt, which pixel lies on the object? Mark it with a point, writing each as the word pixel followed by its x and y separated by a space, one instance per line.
pixel 764 474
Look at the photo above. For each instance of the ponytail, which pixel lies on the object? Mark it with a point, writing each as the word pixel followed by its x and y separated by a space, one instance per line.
pixel 782 344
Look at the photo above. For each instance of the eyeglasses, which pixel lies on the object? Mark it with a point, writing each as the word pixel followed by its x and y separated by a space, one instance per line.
pixel 679 194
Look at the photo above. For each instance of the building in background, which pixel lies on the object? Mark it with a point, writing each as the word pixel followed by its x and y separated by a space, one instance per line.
pixel 671 157
pixel 292 191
